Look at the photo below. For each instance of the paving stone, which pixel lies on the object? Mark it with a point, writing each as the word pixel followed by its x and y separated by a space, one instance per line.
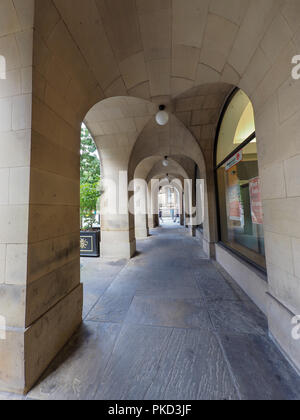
pixel 76 372
pixel 260 371
pixel 134 363
pixel 173 292
pixel 214 287
pixel 193 368
pixel 169 313
pixel 89 301
pixel 237 317
pixel 112 307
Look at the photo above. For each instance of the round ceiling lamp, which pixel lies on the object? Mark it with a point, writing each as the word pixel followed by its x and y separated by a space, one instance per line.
pixel 165 162
pixel 162 117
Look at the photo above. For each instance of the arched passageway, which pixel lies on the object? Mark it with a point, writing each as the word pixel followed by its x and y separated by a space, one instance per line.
pixel 67 61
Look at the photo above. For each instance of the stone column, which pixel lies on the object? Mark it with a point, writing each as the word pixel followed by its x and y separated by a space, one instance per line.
pixel 182 219
pixel 190 207
pixel 40 291
pixel 117 223
pixel 153 221
pixel 15 142
pixel 141 209
pixel 141 226
pixel 182 214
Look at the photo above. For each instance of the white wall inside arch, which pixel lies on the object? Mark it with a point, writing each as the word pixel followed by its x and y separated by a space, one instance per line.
pixel 2 67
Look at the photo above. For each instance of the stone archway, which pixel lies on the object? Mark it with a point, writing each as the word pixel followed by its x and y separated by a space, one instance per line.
pixel 120 126
pixel 116 124
pixel 172 140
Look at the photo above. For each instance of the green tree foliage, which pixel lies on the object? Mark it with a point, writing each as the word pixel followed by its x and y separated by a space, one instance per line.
pixel 89 179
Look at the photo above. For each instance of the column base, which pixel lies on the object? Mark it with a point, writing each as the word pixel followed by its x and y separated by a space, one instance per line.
pixel 142 233
pixel 116 245
pixel 151 222
pixel 26 353
pixel 192 230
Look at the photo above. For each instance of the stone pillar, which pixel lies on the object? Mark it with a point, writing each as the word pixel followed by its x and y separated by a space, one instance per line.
pixel 182 219
pixel 200 185
pixel 15 141
pixel 40 291
pixel 190 207
pixel 141 226
pixel 151 221
pixel 117 223
pixel 141 209
pixel 182 214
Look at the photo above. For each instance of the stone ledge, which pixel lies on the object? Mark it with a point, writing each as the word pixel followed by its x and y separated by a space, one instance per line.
pixel 248 278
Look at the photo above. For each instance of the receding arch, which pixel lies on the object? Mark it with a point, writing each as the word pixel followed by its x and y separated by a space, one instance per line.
pixel 173 139
pixel 177 166
pixel 147 170
pixel 117 122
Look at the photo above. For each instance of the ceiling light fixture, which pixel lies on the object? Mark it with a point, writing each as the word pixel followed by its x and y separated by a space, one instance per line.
pixel 162 117
pixel 165 162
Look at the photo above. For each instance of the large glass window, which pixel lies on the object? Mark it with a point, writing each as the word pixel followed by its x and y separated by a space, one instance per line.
pixel 239 187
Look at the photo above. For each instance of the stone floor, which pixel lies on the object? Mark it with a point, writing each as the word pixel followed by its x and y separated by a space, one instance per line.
pixel 167 325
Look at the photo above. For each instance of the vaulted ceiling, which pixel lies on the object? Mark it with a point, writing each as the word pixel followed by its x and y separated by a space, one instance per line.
pixel 187 54
pixel 162 48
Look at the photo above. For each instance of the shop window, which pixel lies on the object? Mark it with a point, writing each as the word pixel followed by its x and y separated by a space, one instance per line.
pixel 239 186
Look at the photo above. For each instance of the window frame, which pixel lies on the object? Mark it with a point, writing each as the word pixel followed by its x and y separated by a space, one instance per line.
pixel 218 166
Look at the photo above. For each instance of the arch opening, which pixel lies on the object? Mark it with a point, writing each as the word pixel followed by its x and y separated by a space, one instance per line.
pixel 169 203
pixel 89 195
pixel 181 175
pixel 116 123
pixel 240 207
